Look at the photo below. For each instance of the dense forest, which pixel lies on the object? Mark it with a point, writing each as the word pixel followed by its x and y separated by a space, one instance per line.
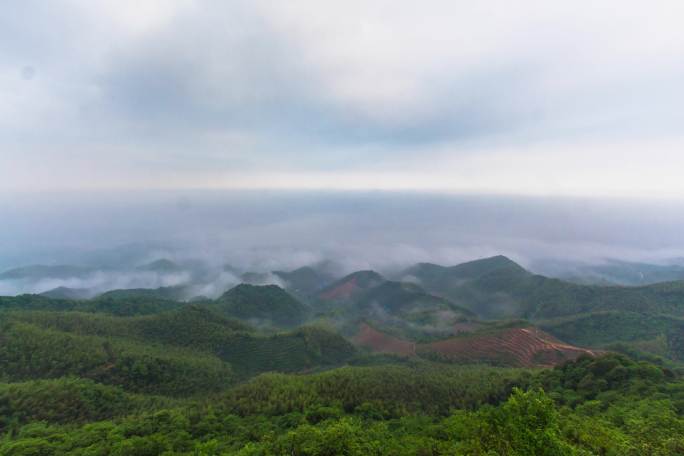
pixel 357 365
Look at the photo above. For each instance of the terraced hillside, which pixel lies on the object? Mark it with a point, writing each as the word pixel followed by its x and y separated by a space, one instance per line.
pixel 381 342
pixel 515 346
pixel 525 347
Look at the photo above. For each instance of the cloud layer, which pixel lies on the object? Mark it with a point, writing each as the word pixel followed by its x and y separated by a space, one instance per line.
pixel 536 97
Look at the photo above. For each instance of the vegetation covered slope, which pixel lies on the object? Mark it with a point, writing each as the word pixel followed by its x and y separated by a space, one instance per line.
pixel 499 288
pixel 127 306
pixel 351 286
pixel 405 300
pixel 305 281
pixel 266 304
pixel 602 328
pixel 610 405
pixel 30 352
pixel 177 293
pixel 69 400
pixel 68 293
pixel 191 328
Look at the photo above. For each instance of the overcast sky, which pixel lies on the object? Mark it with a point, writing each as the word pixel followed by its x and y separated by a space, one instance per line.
pixel 526 97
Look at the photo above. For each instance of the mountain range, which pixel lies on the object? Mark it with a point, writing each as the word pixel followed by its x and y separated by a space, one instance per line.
pixel 316 349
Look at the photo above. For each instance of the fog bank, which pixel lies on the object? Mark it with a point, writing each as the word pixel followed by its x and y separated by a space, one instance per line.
pixel 267 230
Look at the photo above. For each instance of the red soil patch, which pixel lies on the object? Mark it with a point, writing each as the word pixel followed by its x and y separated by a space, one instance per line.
pixel 522 347
pixel 342 291
pixel 518 346
pixel 383 343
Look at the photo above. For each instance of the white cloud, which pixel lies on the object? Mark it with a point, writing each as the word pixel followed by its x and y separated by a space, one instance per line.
pixel 537 97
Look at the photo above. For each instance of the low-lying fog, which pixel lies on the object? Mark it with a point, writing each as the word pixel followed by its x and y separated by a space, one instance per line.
pixel 112 234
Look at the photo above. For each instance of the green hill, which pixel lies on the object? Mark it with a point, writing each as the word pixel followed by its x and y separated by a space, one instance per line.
pixel 113 305
pixel 68 293
pixel 303 349
pixel 607 327
pixel 268 304
pixel 442 277
pixel 176 293
pixel 69 400
pixel 401 298
pixel 30 352
pixel 499 288
pixel 191 326
pixel 350 286
pixel 408 309
pixel 199 329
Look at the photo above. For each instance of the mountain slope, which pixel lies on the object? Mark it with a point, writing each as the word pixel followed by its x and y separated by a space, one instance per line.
pixel 68 293
pixel 176 293
pixel 267 304
pixel 433 276
pixel 192 330
pixel 32 352
pixel 407 308
pixel 69 401
pixel 499 288
pixel 607 327
pixel 351 286
pixel 129 306
pixel 523 346
pixel 305 281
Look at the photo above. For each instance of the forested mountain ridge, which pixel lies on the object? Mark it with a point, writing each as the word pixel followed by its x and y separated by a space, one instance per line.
pixel 499 288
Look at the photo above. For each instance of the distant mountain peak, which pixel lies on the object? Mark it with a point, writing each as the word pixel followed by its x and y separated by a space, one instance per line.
pixel 68 293
pixel 161 265
pixel 248 288
pixel 351 284
pixel 486 265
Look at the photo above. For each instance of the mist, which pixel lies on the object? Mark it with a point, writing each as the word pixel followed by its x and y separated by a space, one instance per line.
pixel 216 235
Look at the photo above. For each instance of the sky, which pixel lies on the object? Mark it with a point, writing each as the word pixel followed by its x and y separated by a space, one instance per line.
pixel 529 97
